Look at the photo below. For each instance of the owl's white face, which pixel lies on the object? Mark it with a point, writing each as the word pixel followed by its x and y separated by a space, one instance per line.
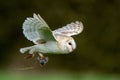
pixel 66 43
pixel 71 45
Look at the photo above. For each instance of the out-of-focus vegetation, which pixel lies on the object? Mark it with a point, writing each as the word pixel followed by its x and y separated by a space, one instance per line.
pixel 98 46
pixel 57 77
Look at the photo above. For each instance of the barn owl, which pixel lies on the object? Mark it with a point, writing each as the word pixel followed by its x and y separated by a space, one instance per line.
pixel 58 41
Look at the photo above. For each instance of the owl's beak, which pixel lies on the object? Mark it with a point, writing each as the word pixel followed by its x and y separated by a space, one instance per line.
pixel 74 46
pixel 71 49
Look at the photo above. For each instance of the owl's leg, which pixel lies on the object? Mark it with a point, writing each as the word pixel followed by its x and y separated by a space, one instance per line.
pixel 42 60
pixel 29 56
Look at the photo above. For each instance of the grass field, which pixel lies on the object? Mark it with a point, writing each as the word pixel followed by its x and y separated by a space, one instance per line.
pixel 56 76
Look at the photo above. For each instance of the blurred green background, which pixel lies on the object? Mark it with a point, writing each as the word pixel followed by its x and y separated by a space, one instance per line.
pixel 98 46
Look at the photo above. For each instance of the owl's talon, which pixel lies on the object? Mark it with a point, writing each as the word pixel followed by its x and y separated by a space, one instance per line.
pixel 29 56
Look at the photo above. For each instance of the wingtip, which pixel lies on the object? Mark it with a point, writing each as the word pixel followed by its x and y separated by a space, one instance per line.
pixel 79 22
pixel 35 15
pixel 81 26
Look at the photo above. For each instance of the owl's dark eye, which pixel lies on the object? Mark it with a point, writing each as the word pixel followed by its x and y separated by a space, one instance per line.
pixel 70 43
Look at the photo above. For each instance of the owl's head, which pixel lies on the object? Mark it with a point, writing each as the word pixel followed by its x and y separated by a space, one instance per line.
pixel 70 44
pixel 66 43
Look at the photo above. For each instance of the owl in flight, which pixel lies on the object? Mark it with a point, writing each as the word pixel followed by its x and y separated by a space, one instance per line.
pixel 58 41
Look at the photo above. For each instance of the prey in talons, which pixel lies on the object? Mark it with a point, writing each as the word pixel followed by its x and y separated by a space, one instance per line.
pixel 42 59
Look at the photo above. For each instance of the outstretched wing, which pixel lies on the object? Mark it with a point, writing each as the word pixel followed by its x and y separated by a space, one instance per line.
pixel 70 29
pixel 35 29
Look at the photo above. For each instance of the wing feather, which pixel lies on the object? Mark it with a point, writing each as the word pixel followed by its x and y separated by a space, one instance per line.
pixel 36 29
pixel 70 29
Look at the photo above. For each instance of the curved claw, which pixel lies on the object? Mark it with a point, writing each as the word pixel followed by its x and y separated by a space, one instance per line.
pixel 29 56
